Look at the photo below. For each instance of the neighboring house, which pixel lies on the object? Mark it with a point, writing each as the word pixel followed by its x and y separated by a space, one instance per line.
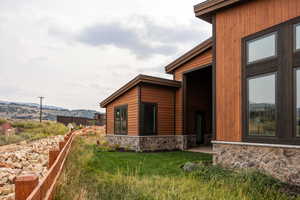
pixel 7 129
pixel 240 89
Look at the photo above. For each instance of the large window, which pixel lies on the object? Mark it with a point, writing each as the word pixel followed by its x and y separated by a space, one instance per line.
pixel 121 119
pixel 261 48
pixel 148 119
pixel 271 85
pixel 262 105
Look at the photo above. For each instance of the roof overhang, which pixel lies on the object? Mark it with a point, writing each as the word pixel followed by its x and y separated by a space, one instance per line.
pixel 206 9
pixel 139 80
pixel 199 49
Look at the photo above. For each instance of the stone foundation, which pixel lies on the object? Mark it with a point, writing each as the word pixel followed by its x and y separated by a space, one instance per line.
pixel 279 161
pixel 153 143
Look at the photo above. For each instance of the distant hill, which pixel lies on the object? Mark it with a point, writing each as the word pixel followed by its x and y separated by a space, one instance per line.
pixel 17 110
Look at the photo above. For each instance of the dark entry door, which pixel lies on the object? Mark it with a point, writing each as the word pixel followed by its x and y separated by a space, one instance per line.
pixel 199 128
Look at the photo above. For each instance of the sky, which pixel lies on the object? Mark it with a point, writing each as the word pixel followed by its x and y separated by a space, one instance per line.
pixel 76 53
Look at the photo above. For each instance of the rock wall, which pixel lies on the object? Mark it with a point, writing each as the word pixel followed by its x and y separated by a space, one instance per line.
pixel 279 162
pixel 31 158
pixel 153 143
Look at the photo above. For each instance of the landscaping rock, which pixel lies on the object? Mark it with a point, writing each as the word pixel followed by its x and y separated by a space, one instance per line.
pixel 22 159
pixel 190 166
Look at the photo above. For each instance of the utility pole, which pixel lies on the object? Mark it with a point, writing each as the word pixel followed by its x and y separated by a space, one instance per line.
pixel 41 108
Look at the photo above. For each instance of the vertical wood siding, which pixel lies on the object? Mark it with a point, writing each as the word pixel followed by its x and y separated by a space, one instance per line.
pixel 164 97
pixel 203 59
pixel 130 98
pixel 231 25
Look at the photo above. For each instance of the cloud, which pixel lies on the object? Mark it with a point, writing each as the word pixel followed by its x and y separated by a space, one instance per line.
pixel 122 37
pixel 140 35
pixel 177 33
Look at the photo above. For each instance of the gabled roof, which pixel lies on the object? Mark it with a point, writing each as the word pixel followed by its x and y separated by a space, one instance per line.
pixel 204 46
pixel 206 9
pixel 137 80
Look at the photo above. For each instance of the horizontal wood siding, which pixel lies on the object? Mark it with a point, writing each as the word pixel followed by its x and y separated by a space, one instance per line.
pixel 203 59
pixel 130 98
pixel 233 24
pixel 164 97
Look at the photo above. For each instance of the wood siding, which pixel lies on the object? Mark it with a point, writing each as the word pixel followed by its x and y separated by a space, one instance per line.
pixel 131 99
pixel 203 59
pixel 164 97
pixel 232 25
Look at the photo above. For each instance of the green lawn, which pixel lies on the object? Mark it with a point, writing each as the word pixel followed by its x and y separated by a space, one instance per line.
pixel 32 130
pixel 93 174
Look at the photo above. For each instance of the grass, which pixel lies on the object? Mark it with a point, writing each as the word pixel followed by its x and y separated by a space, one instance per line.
pixel 94 174
pixel 33 130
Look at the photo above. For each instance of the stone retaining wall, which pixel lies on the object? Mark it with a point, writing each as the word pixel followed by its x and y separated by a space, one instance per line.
pixel 153 143
pixel 280 162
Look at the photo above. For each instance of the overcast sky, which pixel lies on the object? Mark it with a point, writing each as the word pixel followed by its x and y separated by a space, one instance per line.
pixel 78 52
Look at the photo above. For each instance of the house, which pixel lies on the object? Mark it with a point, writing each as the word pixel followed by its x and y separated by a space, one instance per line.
pixel 7 129
pixel 239 90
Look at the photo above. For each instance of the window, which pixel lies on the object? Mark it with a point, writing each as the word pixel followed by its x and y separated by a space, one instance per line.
pixel 297 37
pixel 271 85
pixel 121 120
pixel 298 102
pixel 261 48
pixel 148 119
pixel 262 106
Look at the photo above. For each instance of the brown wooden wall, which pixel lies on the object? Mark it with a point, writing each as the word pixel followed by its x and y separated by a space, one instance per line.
pixel 130 98
pixel 231 25
pixel 203 59
pixel 164 97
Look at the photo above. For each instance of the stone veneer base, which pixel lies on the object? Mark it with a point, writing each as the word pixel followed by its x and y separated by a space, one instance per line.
pixel 279 161
pixel 153 143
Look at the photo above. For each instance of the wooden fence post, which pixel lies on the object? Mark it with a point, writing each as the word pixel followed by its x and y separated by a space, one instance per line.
pixel 61 145
pixel 53 153
pixel 24 185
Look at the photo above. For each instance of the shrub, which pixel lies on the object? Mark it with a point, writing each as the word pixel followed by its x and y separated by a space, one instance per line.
pixel 33 130
pixel 2 121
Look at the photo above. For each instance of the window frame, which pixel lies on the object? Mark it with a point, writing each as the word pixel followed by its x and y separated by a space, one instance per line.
pixel 276 103
pixel 142 132
pixel 284 64
pixel 275 33
pixel 295 37
pixel 125 106
pixel 295 69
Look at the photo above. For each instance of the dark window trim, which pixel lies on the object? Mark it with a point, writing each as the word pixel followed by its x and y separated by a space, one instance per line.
pixel 276 105
pixel 295 37
pixel 115 108
pixel 259 38
pixel 295 102
pixel 287 60
pixel 156 119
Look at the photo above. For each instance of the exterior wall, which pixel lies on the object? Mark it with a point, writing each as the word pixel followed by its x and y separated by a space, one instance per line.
pixel 164 97
pixel 203 59
pixel 232 24
pixel 153 143
pixel 280 162
pixel 130 98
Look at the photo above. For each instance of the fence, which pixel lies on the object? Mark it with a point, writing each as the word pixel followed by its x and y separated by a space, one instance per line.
pixel 29 188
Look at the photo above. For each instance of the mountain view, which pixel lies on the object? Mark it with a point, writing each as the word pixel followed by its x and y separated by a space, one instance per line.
pixel 16 110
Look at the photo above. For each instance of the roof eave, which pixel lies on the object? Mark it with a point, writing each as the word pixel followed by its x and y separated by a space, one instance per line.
pixel 207 9
pixel 199 49
pixel 139 80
